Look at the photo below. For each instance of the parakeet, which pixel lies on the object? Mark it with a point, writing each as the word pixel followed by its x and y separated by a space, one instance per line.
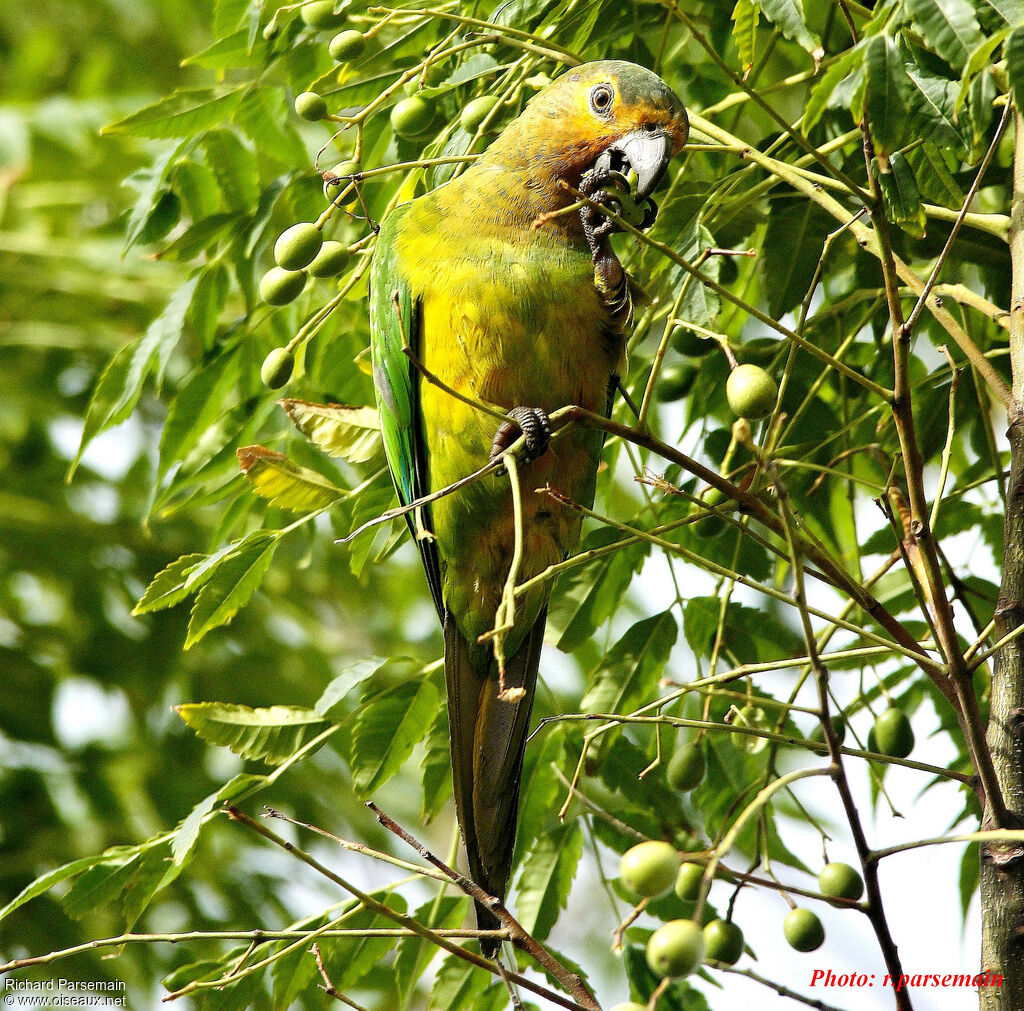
pixel 512 306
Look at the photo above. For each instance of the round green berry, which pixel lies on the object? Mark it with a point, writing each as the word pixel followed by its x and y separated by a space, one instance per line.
pixel 341 172
pixel 330 261
pixel 649 868
pixel 892 734
pixel 840 881
pixel 803 930
pixel 411 118
pixel 320 15
pixel 723 941
pixel 675 382
pixel 688 881
pixel 279 286
pixel 675 949
pixel 475 112
pixel 751 392
pixel 686 767
pixel 712 525
pixel 297 246
pixel 309 105
pixel 347 45
pixel 277 368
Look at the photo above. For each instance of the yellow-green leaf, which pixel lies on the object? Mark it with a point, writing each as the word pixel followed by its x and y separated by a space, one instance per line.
pixel 352 433
pixel 273 476
pixel 272 734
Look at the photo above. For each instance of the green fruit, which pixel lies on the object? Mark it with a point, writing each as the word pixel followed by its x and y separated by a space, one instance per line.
pixel 309 105
pixel 475 112
pixel 340 171
pixel 893 734
pixel 838 724
pixel 688 881
pixel 280 286
pixel 277 368
pixel 675 382
pixel 348 45
pixel 412 117
pixel 686 767
pixel 629 210
pixel 723 941
pixel 321 15
pixel 712 525
pixel 751 392
pixel 690 343
pixel 297 246
pixel 803 930
pixel 330 260
pixel 649 868
pixel 840 881
pixel 675 949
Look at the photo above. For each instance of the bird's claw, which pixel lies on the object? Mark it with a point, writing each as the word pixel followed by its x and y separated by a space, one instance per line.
pixel 531 422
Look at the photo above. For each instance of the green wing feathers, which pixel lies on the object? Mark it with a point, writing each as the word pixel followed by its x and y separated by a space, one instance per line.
pixel 395 321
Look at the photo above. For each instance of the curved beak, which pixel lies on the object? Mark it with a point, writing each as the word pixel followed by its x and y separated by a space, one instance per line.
pixel 648 155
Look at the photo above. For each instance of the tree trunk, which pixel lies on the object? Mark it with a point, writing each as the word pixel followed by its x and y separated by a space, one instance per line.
pixel 1002 864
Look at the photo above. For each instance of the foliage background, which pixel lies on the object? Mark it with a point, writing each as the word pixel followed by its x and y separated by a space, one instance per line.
pixel 91 754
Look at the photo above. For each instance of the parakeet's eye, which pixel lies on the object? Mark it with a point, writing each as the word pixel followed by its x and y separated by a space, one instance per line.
pixel 601 99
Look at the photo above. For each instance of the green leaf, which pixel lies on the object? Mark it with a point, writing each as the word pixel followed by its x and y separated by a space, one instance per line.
pixel 386 729
pixel 271 735
pixel 949 26
pixel 1011 11
pixel 414 954
pixel 791 253
pixel 700 623
pixel 168 586
pixel 154 873
pixel 150 183
pixel 885 94
pixel 629 674
pixel 328 705
pixel 900 194
pixel 235 168
pixel 546 876
pixel 1014 53
pixel 436 766
pixel 818 100
pixel 745 16
pixel 932 103
pixel 183 114
pixel 457 984
pixel 788 17
pixel 46 881
pixel 352 433
pixel 934 179
pixel 264 115
pixel 120 384
pixel 288 486
pixel 228 589
pixel 100 884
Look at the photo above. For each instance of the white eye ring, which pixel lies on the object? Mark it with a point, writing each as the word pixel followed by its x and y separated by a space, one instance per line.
pixel 601 99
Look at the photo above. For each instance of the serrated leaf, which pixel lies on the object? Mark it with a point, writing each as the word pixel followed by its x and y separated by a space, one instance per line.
pixel 629 673
pixel 1011 11
pixel 885 94
pixel 386 729
pixel 46 881
pixel 227 589
pixel 100 884
pixel 350 677
pixel 932 103
pixel 546 876
pixel 154 873
pixel 745 16
pixel 150 184
pixel 285 484
pixel 700 622
pixel 436 766
pixel 235 168
pixel 900 194
pixel 791 253
pixel 271 735
pixel 120 384
pixel 351 433
pixel 457 983
pixel 818 100
pixel 168 586
pixel 264 116
pixel 788 17
pixel 184 839
pixel 414 954
pixel 183 114
pixel 947 25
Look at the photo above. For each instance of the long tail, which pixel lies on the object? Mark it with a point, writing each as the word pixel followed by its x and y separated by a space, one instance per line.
pixel 488 741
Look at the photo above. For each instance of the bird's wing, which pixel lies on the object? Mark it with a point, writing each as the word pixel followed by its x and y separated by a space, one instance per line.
pixel 396 321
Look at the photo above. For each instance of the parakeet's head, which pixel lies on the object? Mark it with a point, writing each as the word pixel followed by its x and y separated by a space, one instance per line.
pixel 611 110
